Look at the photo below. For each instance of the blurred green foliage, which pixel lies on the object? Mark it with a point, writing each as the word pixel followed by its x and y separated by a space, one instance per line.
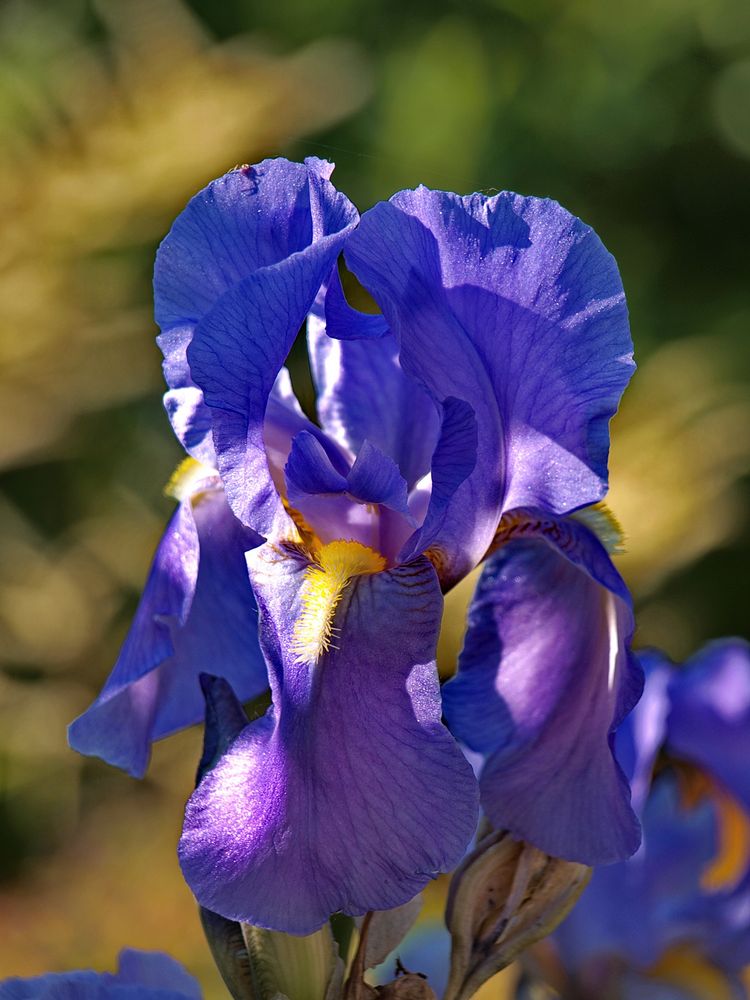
pixel 635 116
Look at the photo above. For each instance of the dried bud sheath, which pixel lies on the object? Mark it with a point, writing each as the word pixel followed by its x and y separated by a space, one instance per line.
pixel 504 896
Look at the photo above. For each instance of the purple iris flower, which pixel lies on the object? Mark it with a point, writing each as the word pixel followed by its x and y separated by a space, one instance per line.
pixel 676 916
pixel 141 975
pixel 468 417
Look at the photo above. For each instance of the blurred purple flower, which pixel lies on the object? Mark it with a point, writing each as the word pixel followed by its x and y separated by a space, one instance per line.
pixel 676 916
pixel 141 975
pixel 470 415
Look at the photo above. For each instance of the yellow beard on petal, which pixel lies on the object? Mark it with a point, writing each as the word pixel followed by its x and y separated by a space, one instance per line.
pixel 186 478
pixel 324 585
pixel 522 522
pixel 600 519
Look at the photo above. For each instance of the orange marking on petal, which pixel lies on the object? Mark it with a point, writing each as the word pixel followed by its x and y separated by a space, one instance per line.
pixel 684 968
pixel 733 826
pixel 732 861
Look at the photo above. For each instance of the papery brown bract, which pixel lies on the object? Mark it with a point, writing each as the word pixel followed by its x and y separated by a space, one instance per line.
pixel 504 896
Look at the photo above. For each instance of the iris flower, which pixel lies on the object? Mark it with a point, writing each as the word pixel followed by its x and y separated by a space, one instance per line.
pixel 468 419
pixel 674 920
pixel 141 975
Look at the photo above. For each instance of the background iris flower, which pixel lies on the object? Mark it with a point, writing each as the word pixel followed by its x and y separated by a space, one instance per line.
pixel 674 920
pixel 469 416
pixel 140 975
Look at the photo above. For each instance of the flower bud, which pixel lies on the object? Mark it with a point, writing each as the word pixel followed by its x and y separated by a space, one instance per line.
pixel 229 952
pixel 298 968
pixel 257 964
pixel 504 896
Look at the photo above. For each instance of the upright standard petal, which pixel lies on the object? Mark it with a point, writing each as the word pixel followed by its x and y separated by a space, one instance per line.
pixel 191 422
pixel 239 346
pixel 364 394
pixel 197 613
pixel 514 306
pixel 249 219
pixel 544 679
pixel 350 794
pixel 709 721
pixel 453 461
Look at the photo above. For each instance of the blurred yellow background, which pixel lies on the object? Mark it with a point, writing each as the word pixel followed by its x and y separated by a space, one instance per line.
pixel 112 113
